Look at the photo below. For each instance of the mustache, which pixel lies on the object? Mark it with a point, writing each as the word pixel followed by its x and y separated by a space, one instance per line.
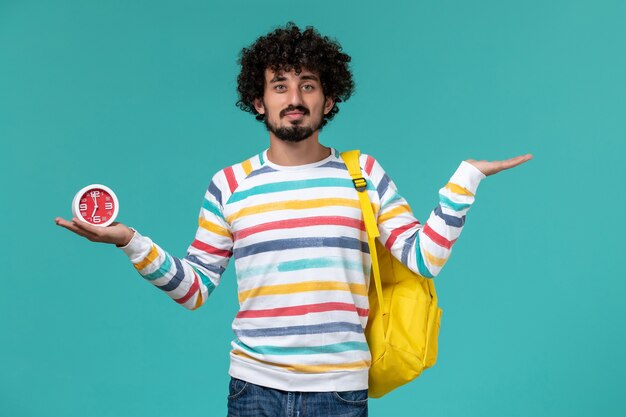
pixel 290 108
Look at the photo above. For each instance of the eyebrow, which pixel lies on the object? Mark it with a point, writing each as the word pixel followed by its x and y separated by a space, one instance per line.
pixel 279 78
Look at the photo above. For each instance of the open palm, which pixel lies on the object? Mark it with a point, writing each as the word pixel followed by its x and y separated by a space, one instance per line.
pixel 493 167
pixel 115 233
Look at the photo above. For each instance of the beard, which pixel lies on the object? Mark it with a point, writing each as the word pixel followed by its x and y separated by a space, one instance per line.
pixel 295 132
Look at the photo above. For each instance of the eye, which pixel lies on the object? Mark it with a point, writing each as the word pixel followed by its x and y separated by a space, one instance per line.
pixel 279 88
pixel 308 87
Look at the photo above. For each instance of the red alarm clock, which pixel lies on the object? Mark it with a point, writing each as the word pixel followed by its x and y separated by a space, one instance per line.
pixel 95 204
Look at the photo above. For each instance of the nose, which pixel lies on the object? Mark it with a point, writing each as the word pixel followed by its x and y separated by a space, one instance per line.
pixel 295 97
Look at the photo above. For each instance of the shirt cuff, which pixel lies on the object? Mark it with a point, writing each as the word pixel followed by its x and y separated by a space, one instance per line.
pixel 468 177
pixel 138 248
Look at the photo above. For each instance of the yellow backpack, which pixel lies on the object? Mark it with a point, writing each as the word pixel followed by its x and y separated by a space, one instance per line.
pixel 402 335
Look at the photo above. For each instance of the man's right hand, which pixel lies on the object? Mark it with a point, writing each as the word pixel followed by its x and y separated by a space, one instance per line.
pixel 115 233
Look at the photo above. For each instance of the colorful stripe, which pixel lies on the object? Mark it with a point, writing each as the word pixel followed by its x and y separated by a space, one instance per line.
pixel 294 205
pixel 448 219
pixel 406 249
pixel 369 164
pixel 383 185
pixel 212 208
pixel 192 290
pixel 212 227
pixel 300 287
pixel 392 199
pixel 457 189
pixel 333 327
pixel 199 300
pixel 437 238
pixel 313 369
pixel 205 280
pixel 174 282
pixel 230 178
pixel 301 265
pixel 282 186
pixel 150 257
pixel 263 170
pixel 247 167
pixel 433 260
pixel 335 164
pixel 300 222
pixel 215 192
pixel 421 266
pixel 404 208
pixel 306 350
pixel 205 247
pixel 397 232
pixel 302 310
pixel 446 202
pixel 300 243
pixel 163 269
pixel 215 269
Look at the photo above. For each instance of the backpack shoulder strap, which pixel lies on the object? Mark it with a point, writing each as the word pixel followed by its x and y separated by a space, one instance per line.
pixel 351 159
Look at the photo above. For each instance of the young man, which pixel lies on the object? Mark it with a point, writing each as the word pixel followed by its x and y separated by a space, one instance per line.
pixel 291 219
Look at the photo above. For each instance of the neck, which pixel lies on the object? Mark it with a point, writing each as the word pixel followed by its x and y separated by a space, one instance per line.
pixel 307 151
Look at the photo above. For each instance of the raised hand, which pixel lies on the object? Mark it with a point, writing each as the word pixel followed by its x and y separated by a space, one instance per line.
pixel 493 167
pixel 115 233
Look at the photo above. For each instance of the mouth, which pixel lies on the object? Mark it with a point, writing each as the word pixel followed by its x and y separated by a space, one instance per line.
pixel 294 115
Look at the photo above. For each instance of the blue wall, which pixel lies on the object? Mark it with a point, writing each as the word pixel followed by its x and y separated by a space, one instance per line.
pixel 139 95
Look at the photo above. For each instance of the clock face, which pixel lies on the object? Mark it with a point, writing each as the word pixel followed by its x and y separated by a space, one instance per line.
pixel 96 204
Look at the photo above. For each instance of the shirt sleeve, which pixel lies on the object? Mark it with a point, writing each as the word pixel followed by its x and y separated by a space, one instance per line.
pixel 190 280
pixel 424 248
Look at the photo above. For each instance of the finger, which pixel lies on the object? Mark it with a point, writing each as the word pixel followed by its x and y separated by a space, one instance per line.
pixel 520 159
pixel 73 228
pixel 87 227
pixel 60 221
pixel 67 224
pixel 95 233
pixel 513 162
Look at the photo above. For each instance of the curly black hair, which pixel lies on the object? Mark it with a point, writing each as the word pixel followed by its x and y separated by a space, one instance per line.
pixel 290 48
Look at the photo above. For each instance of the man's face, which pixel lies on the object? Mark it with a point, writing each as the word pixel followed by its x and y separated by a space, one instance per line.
pixel 293 104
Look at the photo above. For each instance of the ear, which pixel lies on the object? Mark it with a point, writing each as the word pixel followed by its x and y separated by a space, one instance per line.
pixel 329 102
pixel 259 106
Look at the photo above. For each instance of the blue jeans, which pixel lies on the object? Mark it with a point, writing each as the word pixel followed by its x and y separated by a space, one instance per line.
pixel 249 400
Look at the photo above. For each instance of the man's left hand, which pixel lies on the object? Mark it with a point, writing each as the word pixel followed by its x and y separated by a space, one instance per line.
pixel 493 167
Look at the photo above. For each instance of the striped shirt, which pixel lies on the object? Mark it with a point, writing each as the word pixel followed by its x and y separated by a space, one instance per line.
pixel 302 262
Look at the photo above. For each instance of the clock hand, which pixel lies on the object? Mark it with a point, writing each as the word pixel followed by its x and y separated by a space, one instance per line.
pixel 95 203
